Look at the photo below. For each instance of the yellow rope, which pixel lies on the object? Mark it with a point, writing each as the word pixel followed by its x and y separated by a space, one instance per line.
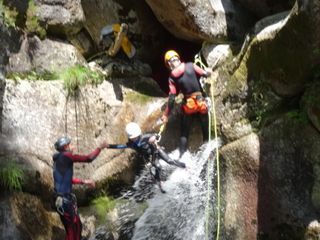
pixel 217 162
pixel 209 183
pixel 160 131
pixel 199 62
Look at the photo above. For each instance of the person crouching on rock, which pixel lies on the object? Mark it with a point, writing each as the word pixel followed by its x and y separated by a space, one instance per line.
pixel 146 145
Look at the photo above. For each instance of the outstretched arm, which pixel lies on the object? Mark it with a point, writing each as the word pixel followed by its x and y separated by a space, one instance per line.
pixel 199 71
pixel 117 146
pixel 83 158
pixel 86 158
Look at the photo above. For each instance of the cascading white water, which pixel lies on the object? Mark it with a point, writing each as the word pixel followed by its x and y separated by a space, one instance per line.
pixel 180 213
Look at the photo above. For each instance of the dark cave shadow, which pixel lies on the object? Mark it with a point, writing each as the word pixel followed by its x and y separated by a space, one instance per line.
pixel 187 50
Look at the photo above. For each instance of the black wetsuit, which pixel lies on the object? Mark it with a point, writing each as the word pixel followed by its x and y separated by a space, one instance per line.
pixel 185 79
pixel 149 152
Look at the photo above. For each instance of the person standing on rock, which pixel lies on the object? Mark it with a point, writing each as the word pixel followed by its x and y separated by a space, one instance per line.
pixel 184 78
pixel 146 145
pixel 65 200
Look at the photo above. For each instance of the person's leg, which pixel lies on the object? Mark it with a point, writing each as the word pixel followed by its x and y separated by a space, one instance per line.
pixel 186 121
pixel 164 156
pixel 77 227
pixel 68 226
pixel 157 173
pixel 204 120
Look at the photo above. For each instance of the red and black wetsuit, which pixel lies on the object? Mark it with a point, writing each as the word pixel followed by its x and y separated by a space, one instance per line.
pixel 185 79
pixel 63 180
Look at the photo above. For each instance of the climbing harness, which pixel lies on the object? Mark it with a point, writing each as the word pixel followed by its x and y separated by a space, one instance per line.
pixel 194 104
pixel 198 61
pixel 59 205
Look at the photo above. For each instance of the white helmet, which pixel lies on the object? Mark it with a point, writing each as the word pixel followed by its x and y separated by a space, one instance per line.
pixel 133 130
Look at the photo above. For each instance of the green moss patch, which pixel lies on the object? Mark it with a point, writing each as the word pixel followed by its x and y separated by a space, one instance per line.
pixel 9 15
pixel 11 176
pixel 77 76
pixel 103 205
pixel 33 24
pixel 32 75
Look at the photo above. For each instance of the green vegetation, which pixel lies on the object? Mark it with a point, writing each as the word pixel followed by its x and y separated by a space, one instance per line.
pixel 9 15
pixel 298 116
pixel 77 76
pixel 72 77
pixel 32 21
pixel 11 176
pixel 32 75
pixel 103 204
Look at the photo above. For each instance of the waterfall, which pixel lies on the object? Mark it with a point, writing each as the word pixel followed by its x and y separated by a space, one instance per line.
pixel 180 213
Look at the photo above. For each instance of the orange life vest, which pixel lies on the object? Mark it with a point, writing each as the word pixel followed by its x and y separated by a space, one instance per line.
pixel 195 103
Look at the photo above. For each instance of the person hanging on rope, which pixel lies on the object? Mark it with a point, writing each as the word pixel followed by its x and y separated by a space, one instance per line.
pixel 114 37
pixel 64 200
pixel 185 78
pixel 146 145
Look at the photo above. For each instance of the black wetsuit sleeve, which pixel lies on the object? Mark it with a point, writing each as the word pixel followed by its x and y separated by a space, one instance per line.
pixel 118 146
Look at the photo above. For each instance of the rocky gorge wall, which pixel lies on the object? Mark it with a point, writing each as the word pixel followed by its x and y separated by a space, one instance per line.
pixel 265 85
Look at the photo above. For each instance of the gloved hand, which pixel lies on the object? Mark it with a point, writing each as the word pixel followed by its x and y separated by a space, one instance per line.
pixel 208 102
pixel 158 137
pixel 208 72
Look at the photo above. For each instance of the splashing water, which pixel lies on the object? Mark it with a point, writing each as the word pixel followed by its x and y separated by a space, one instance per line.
pixel 180 213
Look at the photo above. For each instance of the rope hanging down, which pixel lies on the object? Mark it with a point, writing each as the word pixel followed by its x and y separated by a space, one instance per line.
pixel 160 132
pixel 198 61
pixel 217 163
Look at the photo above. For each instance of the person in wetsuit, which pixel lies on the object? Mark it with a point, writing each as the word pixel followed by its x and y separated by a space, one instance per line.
pixel 146 146
pixel 65 200
pixel 185 78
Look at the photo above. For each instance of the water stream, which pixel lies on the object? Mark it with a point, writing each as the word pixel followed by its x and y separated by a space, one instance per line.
pixel 181 212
